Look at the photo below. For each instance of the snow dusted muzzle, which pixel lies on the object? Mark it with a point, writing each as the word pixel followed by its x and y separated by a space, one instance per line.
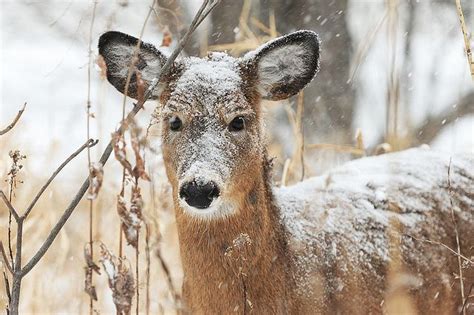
pixel 199 194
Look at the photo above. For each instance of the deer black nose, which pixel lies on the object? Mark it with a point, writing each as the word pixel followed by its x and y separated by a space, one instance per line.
pixel 199 195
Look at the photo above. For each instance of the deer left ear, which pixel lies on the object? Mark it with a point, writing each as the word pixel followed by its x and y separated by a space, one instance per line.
pixel 121 53
pixel 285 65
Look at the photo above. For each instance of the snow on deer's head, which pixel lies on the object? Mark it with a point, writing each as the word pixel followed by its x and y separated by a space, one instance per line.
pixel 212 137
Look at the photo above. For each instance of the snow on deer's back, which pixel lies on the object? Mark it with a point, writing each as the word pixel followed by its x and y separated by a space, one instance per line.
pixel 353 241
pixel 352 227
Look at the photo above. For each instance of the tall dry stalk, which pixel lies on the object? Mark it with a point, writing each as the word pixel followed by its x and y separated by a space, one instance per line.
pixel 458 245
pixel 300 131
pixel 12 180
pixel 131 70
pixel 90 289
pixel 127 84
pixel 393 89
pixel 467 44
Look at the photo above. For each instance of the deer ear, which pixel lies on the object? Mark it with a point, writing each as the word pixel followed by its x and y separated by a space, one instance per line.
pixel 285 65
pixel 118 50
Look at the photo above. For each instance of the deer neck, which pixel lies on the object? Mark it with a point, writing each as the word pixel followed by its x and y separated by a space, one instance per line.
pixel 238 262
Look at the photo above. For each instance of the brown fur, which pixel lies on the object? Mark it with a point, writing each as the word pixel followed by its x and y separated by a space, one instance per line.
pixel 212 284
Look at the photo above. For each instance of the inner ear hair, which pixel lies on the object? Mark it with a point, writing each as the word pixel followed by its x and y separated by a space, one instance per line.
pixel 118 50
pixel 286 65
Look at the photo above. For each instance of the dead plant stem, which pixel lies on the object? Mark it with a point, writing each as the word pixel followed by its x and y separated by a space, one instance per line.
pixel 89 165
pixel 13 123
pixel 147 273
pixel 137 273
pixel 467 44
pixel 458 245
pixel 18 271
pixel 125 94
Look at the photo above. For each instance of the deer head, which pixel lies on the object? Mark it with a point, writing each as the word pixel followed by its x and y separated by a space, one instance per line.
pixel 212 129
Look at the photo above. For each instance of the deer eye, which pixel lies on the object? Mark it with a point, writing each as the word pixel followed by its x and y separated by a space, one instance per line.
pixel 175 123
pixel 237 124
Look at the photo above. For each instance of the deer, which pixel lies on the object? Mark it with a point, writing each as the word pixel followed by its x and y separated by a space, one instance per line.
pixel 344 242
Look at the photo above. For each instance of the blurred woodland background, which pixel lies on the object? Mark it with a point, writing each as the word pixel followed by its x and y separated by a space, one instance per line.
pixel 393 75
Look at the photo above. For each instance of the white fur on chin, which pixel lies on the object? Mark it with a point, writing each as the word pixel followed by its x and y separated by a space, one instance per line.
pixel 219 209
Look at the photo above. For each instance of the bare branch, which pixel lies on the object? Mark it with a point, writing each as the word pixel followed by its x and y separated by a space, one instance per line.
pixel 108 150
pixel 89 143
pixel 13 123
pixel 467 299
pixel 434 124
pixel 443 245
pixel 5 258
pixel 9 206
pixel 19 241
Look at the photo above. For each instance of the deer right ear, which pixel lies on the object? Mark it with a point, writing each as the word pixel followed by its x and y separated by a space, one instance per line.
pixel 118 50
pixel 285 65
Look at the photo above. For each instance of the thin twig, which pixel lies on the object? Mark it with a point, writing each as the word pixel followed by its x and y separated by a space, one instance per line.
pixel 442 245
pixel 135 60
pixel 91 200
pixel 167 272
pixel 434 123
pixel 363 47
pixel 125 95
pixel 5 258
pixel 456 231
pixel 137 274
pixel 88 144
pixel 148 263
pixel 9 206
pixel 13 123
pixel 300 131
pixel 463 308
pixel 7 289
pixel 284 176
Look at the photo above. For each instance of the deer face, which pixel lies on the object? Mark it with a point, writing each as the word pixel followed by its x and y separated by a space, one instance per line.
pixel 212 137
